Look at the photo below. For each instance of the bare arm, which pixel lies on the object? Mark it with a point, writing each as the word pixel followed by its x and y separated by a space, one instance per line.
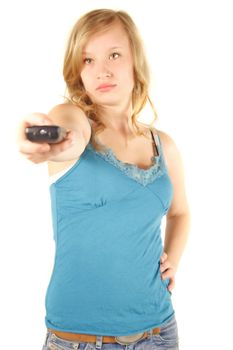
pixel 178 215
pixel 71 118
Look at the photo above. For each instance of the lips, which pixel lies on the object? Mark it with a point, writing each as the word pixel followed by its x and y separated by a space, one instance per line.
pixel 105 86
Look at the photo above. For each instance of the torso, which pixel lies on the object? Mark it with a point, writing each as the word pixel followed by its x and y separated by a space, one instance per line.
pixel 138 151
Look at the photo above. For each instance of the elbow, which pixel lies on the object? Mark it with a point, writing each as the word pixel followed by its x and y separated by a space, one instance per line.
pixel 180 215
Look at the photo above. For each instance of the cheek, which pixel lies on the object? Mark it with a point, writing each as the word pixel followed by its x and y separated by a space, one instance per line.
pixel 131 76
pixel 127 77
pixel 85 80
pixel 125 71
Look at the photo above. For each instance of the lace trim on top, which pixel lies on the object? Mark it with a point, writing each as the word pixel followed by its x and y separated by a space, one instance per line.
pixel 143 176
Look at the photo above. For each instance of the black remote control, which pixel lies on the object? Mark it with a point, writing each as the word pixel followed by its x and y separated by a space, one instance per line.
pixel 45 133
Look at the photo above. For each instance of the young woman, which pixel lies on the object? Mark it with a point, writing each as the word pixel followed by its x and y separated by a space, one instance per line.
pixel 113 179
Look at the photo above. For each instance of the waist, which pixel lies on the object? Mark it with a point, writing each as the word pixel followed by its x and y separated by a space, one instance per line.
pixel 90 338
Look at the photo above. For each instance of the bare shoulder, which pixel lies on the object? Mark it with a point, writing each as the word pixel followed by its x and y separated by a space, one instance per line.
pixel 167 141
pixel 71 117
pixel 171 152
pixel 175 168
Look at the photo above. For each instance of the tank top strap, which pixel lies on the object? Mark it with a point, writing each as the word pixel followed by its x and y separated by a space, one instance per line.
pixel 159 147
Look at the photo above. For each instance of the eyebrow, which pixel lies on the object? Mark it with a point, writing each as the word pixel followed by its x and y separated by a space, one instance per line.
pixel 110 49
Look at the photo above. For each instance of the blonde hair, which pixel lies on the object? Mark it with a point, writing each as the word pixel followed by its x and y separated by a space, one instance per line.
pixel 89 24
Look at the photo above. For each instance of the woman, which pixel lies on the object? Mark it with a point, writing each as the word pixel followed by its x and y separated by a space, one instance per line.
pixel 112 181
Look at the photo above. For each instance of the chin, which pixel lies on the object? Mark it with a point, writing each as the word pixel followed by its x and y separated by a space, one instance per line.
pixel 107 101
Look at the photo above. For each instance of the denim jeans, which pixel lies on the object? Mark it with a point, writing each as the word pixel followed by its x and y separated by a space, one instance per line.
pixel 167 339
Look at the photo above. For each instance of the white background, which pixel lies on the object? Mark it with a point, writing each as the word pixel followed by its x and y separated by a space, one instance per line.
pixel 189 46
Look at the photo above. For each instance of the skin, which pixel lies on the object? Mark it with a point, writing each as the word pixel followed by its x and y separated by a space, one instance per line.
pixel 107 58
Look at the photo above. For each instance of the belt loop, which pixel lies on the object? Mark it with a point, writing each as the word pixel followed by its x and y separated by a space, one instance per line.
pixel 98 344
pixel 150 332
pixel 46 338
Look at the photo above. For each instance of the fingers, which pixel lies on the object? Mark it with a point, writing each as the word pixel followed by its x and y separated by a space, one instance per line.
pixel 163 257
pixel 164 266
pixel 37 119
pixel 57 148
pixel 171 284
pixel 27 147
pixel 169 274
pixel 32 119
pixel 167 271
pixel 40 152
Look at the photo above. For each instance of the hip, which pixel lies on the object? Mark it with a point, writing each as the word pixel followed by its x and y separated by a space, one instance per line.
pixel 167 338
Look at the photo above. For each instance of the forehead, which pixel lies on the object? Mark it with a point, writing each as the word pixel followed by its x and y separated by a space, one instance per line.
pixel 113 36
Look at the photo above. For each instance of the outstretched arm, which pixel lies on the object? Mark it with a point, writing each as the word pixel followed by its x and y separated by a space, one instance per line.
pixel 68 116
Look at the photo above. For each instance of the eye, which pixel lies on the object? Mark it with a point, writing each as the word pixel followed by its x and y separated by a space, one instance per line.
pixel 87 60
pixel 114 55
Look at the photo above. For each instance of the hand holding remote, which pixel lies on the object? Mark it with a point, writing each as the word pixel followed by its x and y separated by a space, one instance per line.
pixel 39 140
pixel 45 133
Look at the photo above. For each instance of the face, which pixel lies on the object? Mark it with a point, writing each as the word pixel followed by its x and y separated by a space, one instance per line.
pixel 107 72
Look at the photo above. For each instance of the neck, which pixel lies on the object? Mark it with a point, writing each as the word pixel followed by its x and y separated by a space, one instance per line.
pixel 117 118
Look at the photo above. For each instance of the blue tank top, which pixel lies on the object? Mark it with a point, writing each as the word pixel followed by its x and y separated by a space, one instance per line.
pixel 107 230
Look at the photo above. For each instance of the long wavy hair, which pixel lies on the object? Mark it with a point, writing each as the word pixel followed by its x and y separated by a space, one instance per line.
pixel 91 23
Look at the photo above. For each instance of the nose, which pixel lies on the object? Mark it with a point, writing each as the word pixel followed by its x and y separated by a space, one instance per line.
pixel 103 71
